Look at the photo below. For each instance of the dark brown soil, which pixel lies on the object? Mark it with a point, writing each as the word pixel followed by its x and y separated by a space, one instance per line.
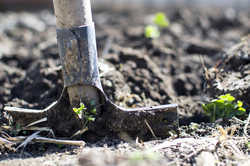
pixel 135 71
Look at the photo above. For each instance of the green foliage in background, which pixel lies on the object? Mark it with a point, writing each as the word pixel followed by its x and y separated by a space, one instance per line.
pixel 153 31
pixel 225 106
pixel 160 20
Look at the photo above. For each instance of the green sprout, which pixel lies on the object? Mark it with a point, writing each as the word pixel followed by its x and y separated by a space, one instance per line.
pixel 87 115
pixel 79 110
pixel 224 107
pixel 152 32
pixel 160 20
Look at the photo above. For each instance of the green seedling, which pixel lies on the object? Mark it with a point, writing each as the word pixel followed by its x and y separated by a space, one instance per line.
pixel 160 20
pixel 153 31
pixel 87 115
pixel 225 106
pixel 79 110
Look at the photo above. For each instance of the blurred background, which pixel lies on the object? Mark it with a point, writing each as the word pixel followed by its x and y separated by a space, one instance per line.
pixel 41 4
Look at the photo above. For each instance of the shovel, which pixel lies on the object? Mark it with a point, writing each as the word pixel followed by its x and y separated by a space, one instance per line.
pixel 78 54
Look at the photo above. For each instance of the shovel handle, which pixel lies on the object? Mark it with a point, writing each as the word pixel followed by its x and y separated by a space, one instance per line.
pixel 71 14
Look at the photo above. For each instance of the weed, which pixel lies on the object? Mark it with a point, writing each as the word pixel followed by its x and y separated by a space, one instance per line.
pixel 79 110
pixel 87 115
pixel 160 20
pixel 153 31
pixel 225 106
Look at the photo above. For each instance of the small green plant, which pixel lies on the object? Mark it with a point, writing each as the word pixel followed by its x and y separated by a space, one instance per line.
pixel 79 110
pixel 87 115
pixel 225 106
pixel 160 20
pixel 153 31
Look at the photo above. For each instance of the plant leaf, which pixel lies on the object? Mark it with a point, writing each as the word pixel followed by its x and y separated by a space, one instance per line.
pixel 90 118
pixel 151 32
pixel 239 103
pixel 227 97
pixel 241 109
pixel 160 20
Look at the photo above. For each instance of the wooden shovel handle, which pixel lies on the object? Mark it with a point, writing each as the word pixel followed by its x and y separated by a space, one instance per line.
pixel 72 13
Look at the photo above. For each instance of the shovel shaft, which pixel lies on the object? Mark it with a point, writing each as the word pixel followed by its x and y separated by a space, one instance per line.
pixel 70 14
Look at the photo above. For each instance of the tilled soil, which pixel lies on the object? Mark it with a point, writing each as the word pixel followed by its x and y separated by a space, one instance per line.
pixel 135 71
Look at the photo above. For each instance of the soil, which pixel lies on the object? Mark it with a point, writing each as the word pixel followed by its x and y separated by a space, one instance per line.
pixel 135 72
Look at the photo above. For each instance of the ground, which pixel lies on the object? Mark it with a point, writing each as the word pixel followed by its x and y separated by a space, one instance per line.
pixel 136 71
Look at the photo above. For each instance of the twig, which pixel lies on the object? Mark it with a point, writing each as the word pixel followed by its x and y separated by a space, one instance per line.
pixel 4 141
pixel 58 141
pixel 39 129
pixel 49 140
pixel 37 122
pixel 150 129
pixel 204 68
pixel 238 120
pixel 79 132
pixel 28 140
pixel 7 144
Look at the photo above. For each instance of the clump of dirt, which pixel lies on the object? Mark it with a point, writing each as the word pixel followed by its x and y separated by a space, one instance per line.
pixel 136 71
pixel 232 74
